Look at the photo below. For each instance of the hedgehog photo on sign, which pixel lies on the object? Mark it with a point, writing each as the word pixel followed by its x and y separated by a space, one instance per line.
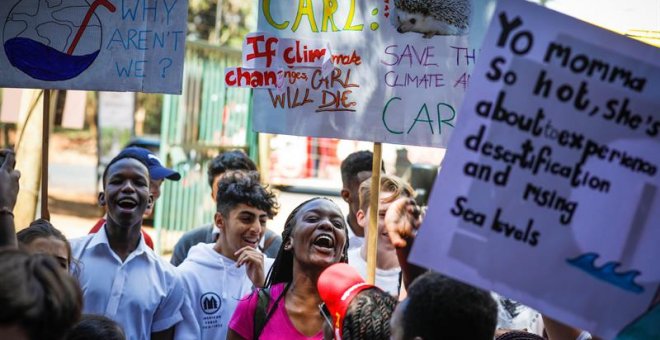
pixel 433 17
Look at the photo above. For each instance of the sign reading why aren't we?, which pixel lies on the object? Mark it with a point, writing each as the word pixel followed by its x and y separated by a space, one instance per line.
pixel 110 45
pixel 549 193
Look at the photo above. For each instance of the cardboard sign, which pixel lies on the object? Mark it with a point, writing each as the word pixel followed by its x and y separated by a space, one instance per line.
pixel 549 191
pixel 110 45
pixel 399 76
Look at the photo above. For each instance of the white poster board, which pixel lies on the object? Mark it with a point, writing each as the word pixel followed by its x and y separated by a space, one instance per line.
pixel 110 45
pixel 400 69
pixel 73 116
pixel 11 105
pixel 116 110
pixel 549 191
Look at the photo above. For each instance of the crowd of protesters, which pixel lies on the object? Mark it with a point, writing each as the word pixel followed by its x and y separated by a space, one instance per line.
pixel 234 278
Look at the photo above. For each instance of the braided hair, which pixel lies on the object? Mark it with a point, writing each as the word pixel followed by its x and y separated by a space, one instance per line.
pixel 282 268
pixel 368 316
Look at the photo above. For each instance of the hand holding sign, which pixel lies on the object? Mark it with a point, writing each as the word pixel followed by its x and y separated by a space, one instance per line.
pixel 9 179
pixel 402 220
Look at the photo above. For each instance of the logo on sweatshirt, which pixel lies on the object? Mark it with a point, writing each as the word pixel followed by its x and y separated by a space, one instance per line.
pixel 210 303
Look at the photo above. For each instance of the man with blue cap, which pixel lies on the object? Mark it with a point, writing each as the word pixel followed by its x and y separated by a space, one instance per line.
pixel 120 277
pixel 157 174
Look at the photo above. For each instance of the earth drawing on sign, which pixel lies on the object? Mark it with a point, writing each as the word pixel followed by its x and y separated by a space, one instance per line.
pixel 54 40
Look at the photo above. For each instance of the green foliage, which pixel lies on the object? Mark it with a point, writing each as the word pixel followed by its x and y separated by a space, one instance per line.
pixel 152 104
pixel 236 19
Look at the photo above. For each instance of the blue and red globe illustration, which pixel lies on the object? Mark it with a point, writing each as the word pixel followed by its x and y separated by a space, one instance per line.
pixel 53 40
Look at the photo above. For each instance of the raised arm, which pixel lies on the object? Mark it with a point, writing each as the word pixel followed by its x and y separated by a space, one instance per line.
pixel 402 220
pixel 8 193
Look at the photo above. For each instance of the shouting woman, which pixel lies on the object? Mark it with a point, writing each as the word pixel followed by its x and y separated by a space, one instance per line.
pixel 314 238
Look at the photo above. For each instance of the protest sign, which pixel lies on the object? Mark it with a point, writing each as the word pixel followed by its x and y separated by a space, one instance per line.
pixel 110 45
pixel 549 191
pixel 375 70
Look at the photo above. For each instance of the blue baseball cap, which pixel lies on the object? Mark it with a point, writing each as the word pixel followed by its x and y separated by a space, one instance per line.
pixel 156 169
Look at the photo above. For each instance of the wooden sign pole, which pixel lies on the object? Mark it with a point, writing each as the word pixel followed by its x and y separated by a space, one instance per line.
pixel 45 214
pixel 374 199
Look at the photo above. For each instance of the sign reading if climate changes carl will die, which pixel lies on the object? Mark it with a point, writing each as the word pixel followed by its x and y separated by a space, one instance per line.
pixel 377 70
pixel 549 193
pixel 113 45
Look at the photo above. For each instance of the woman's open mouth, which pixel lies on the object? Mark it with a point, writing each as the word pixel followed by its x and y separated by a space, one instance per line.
pixel 324 243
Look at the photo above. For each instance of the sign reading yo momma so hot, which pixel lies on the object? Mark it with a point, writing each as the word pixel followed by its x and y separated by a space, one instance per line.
pixel 549 191
pixel 388 71
pixel 112 45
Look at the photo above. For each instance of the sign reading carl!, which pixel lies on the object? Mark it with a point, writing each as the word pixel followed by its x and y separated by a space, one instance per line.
pixel 549 191
pixel 374 70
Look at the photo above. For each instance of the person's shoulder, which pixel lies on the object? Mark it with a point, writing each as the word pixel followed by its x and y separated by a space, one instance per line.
pixel 165 270
pixel 197 234
pixel 276 289
pixel 356 261
pixel 354 254
pixel 199 256
pixel 269 233
pixel 79 243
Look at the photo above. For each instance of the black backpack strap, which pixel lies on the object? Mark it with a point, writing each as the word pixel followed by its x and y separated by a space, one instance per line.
pixel 261 313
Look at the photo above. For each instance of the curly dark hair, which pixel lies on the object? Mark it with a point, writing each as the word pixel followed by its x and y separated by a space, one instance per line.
pixel 229 160
pixel 42 228
pixel 368 315
pixel 440 305
pixel 282 268
pixel 355 163
pixel 37 295
pixel 237 187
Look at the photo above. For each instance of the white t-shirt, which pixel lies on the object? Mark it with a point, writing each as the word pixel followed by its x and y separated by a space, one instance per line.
pixel 388 280
pixel 144 294
pixel 354 241
pixel 214 286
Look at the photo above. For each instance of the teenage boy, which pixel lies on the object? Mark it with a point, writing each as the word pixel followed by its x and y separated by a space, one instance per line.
pixel 354 170
pixel 157 174
pixel 388 271
pixel 120 276
pixel 216 276
pixel 230 160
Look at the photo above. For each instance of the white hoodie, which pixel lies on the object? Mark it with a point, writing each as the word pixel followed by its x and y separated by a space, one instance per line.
pixel 214 285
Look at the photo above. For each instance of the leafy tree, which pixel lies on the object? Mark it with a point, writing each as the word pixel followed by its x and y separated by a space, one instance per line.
pixel 235 20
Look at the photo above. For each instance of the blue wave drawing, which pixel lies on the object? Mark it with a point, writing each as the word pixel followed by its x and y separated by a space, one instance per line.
pixel 607 272
pixel 43 62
